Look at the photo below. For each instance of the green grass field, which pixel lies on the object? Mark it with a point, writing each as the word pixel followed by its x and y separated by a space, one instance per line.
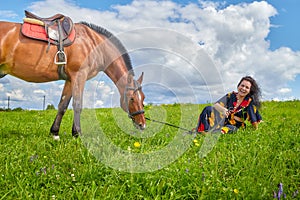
pixel 112 160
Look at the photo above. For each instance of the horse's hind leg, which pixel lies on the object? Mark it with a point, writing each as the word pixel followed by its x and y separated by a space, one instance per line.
pixel 62 108
pixel 77 93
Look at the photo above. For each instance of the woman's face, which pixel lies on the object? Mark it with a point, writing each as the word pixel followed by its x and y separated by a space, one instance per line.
pixel 244 88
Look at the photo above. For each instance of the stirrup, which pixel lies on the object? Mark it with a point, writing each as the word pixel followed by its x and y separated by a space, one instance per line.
pixel 60 62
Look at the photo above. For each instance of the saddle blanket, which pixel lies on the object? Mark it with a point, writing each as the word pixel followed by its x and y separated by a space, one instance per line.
pixel 38 32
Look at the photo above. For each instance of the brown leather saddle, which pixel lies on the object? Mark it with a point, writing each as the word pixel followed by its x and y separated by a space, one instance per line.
pixel 57 29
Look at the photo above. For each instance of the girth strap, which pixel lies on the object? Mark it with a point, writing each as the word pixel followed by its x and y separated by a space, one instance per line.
pixel 61 72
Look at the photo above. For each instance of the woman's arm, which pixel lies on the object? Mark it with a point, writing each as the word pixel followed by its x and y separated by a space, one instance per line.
pixel 253 115
pixel 221 109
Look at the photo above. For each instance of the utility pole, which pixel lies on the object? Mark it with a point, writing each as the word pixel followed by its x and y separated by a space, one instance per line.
pixel 8 100
pixel 44 102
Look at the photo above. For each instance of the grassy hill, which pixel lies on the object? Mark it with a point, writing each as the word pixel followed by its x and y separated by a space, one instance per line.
pixel 112 160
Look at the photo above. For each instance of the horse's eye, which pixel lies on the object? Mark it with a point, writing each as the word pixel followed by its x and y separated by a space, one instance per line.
pixel 131 99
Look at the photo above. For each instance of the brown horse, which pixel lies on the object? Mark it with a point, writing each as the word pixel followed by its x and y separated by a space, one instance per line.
pixel 94 50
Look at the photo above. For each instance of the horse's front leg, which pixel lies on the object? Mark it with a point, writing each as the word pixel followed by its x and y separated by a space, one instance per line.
pixel 77 93
pixel 62 108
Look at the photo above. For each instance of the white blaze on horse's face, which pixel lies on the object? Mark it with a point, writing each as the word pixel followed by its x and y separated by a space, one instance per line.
pixel 133 102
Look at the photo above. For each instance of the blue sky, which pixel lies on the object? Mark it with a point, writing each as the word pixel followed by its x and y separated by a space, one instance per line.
pixel 234 51
pixel 287 34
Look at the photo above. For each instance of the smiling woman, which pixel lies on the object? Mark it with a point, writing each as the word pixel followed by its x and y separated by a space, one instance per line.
pixel 230 112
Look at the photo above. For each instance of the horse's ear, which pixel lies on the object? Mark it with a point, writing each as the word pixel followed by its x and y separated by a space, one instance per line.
pixel 140 80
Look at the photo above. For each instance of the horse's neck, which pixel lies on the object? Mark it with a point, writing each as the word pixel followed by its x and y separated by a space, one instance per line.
pixel 112 61
pixel 119 76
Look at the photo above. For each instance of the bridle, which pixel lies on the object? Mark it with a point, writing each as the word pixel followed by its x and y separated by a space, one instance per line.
pixel 135 89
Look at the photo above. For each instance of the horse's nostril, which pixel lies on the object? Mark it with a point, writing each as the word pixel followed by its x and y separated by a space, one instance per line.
pixel 142 126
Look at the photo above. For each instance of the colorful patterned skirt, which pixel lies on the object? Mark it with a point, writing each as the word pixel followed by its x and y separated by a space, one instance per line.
pixel 211 120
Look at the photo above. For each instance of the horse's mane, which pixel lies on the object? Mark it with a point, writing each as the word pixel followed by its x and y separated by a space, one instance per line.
pixel 115 42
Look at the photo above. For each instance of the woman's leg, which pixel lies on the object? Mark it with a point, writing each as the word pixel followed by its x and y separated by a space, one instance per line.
pixel 228 129
pixel 206 119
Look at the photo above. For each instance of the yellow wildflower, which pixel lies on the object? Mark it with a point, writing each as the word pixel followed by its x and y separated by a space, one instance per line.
pixel 196 142
pixel 137 144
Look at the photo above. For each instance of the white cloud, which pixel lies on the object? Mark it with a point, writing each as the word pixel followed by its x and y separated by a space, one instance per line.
pixel 39 91
pixel 285 90
pixel 16 95
pixel 163 40
pixel 7 14
pixel 1 87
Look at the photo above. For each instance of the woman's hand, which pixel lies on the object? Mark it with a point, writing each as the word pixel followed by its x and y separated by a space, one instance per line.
pixel 222 110
pixel 227 113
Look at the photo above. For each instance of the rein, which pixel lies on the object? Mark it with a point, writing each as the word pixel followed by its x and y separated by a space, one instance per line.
pixel 172 125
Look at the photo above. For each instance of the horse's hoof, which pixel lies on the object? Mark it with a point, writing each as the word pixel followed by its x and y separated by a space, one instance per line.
pixel 56 137
pixel 75 135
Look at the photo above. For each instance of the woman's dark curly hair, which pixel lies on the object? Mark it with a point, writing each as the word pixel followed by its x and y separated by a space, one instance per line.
pixel 255 92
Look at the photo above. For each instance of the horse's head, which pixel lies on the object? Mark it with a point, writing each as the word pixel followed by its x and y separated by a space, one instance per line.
pixel 133 99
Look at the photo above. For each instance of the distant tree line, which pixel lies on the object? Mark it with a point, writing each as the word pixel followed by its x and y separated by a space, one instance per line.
pixel 49 107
